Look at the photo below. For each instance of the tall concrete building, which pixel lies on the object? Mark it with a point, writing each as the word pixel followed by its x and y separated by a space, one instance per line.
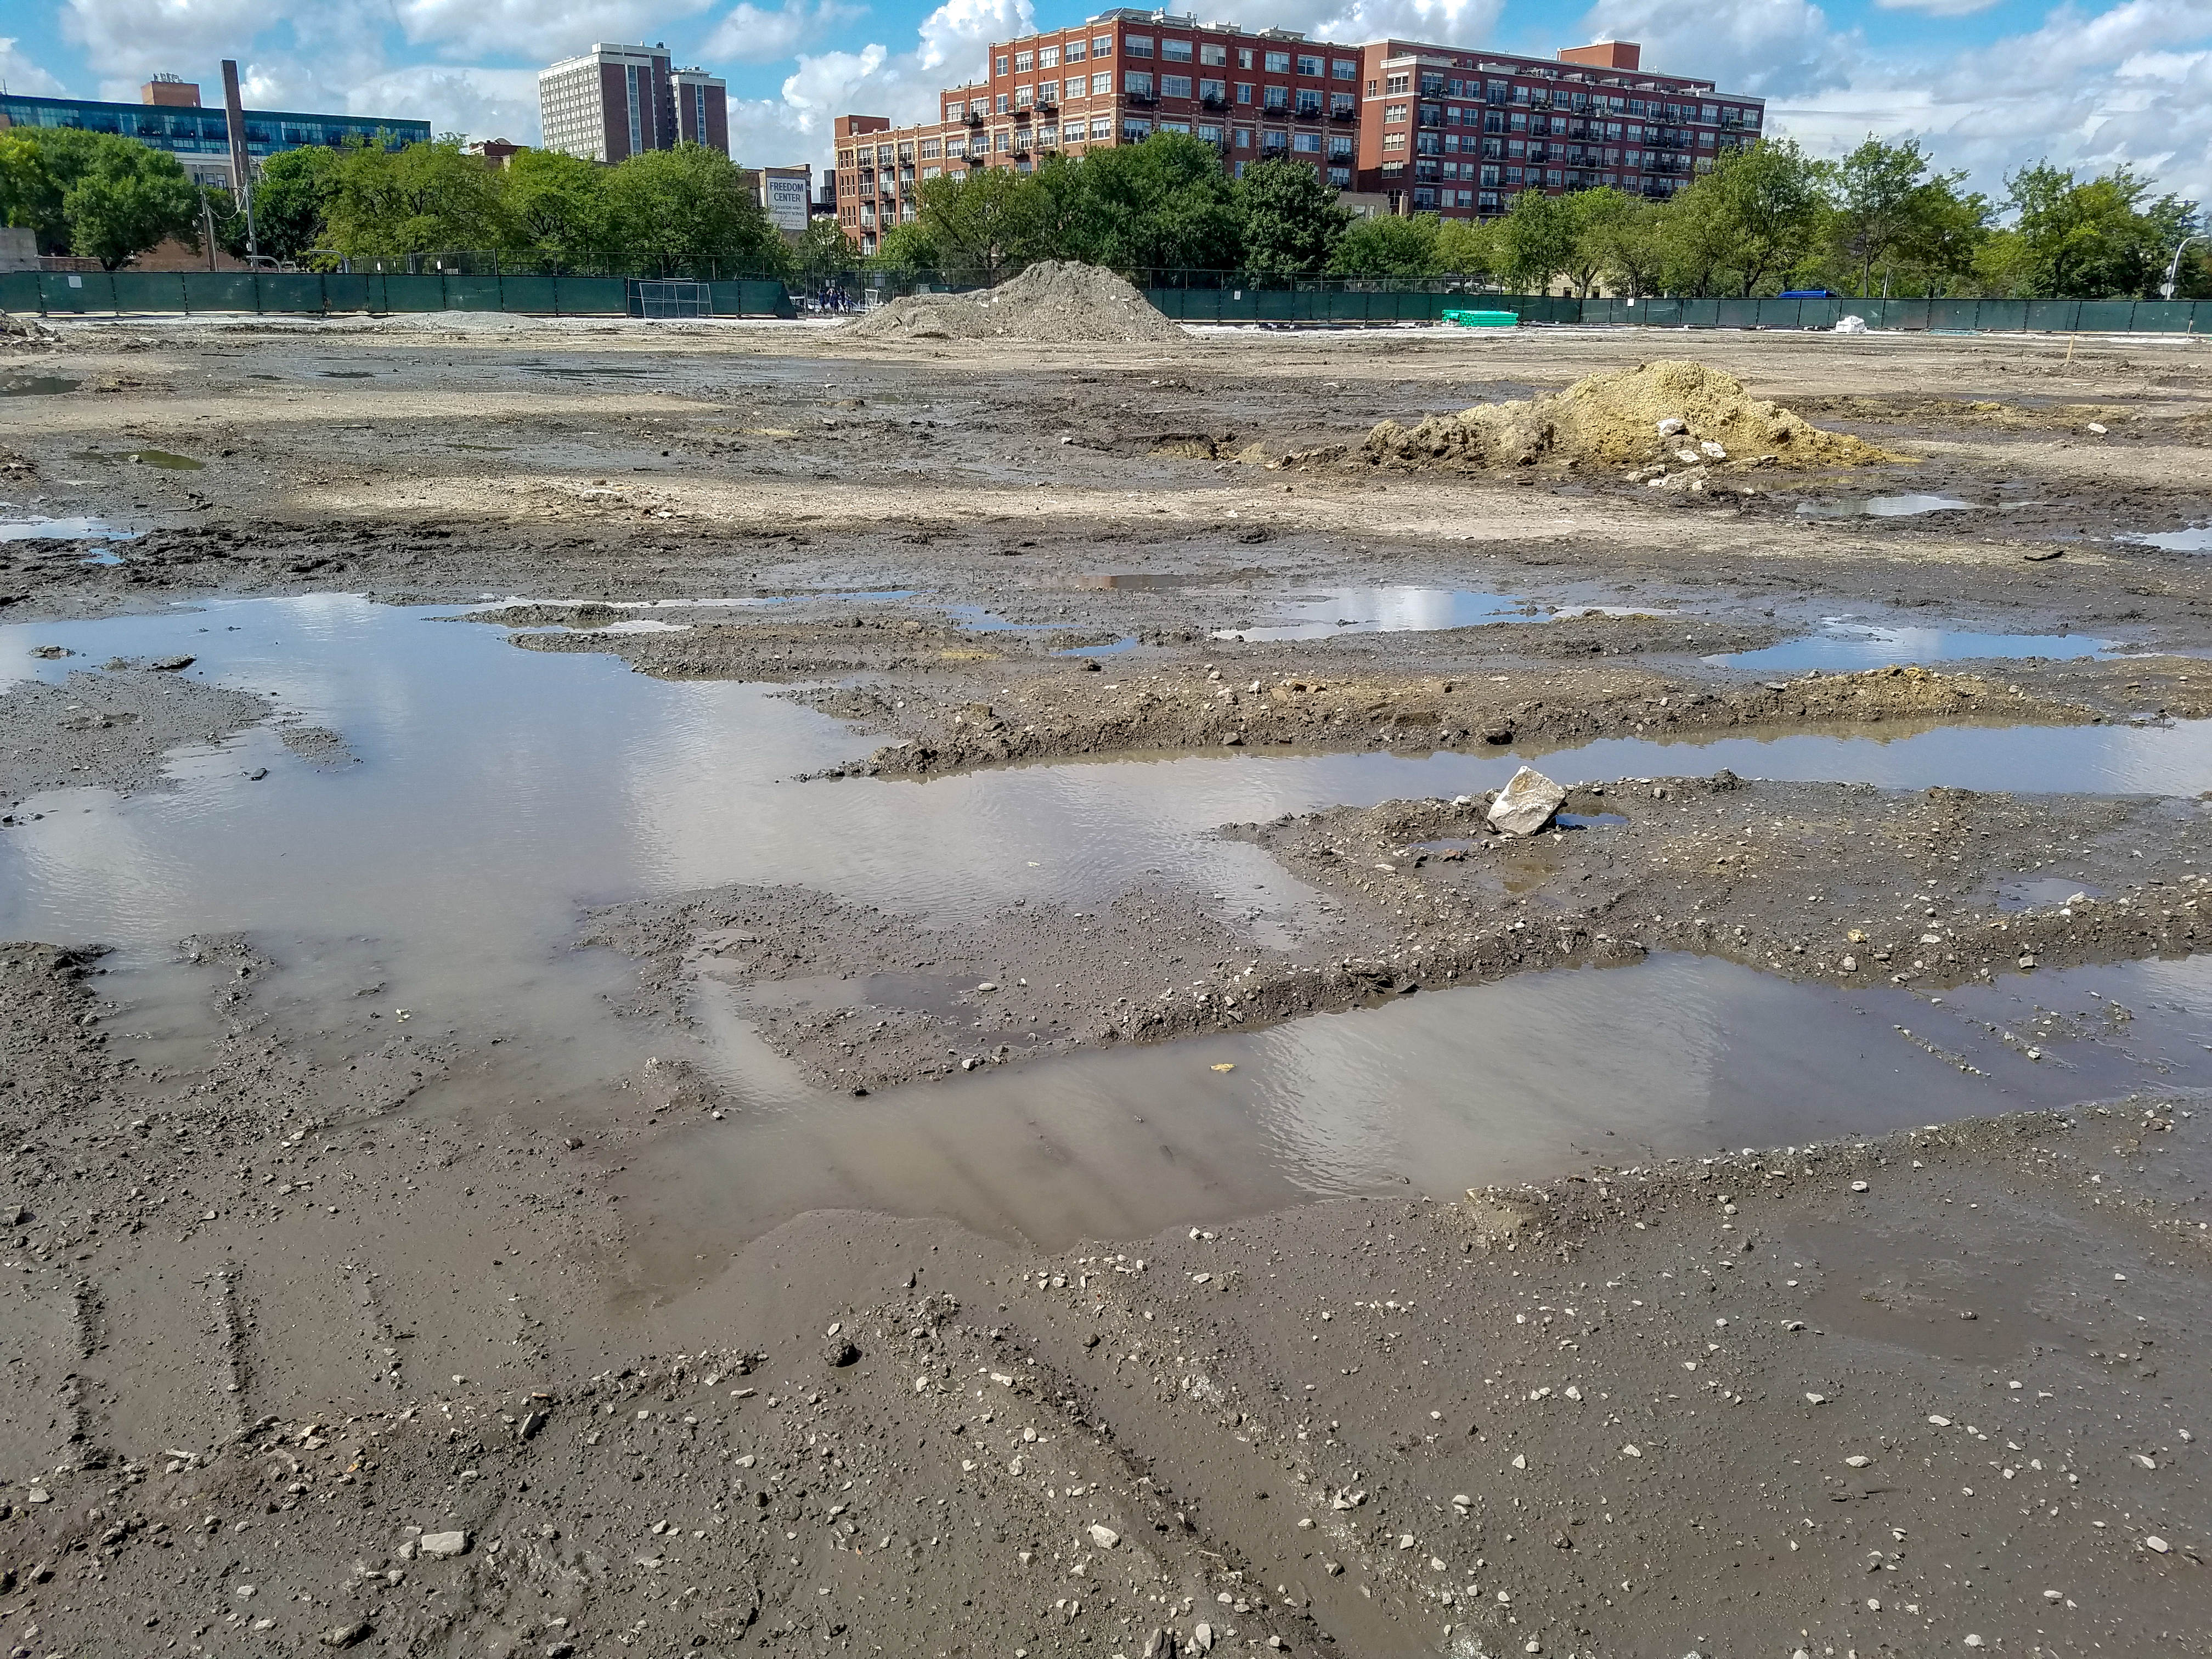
pixel 616 101
pixel 1408 127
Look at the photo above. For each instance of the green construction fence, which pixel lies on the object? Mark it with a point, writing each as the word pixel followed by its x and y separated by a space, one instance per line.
pixel 125 293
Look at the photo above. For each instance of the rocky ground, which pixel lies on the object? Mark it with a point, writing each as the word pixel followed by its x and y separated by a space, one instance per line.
pixel 334 1324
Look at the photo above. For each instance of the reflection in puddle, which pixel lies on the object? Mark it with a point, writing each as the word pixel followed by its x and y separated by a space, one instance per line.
pixel 1406 609
pixel 2042 892
pixel 165 459
pixel 2197 538
pixel 502 792
pixel 1882 507
pixel 61 529
pixel 1679 1055
pixel 1845 647
pixel 35 386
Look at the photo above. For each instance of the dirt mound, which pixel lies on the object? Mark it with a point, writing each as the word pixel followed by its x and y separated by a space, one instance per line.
pixel 1055 302
pixel 1672 413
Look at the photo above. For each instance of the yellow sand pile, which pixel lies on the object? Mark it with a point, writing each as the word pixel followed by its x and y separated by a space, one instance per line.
pixel 1671 413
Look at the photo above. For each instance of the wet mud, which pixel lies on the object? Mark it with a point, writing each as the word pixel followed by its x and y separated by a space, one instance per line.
pixel 892 1057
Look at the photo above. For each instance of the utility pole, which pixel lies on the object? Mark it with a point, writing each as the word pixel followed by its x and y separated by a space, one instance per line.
pixel 241 164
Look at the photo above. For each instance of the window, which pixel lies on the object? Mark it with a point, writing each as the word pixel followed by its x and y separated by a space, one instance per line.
pixel 1024 61
pixel 1002 141
pixel 1424 199
pixel 1705 141
pixel 1243 58
pixel 1710 112
pixel 1102 45
pixel 1212 56
pixel 954 112
pixel 932 172
pixel 1432 86
pixel 1394 112
pixel 1047 136
pixel 1024 97
pixel 1394 141
pixel 1047 94
pixel 1048 57
pixel 1137 84
pixel 1138 46
pixel 1306 143
pixel 1341 103
pixel 1216 92
pixel 1175 51
pixel 1274 144
pixel 883 154
pixel 955 148
pixel 1277 63
pixel 1135 132
pixel 1243 137
pixel 1490 175
pixel 1309 102
pixel 1309 65
pixel 1102 126
pixel 1612 129
pixel 1521 94
pixel 1243 92
pixel 1182 127
pixel 998 64
pixel 1001 101
pixel 1516 148
pixel 1075 51
pixel 1175 86
pixel 1102 83
pixel 1277 98
pixel 1554 177
pixel 1520 122
pixel 1344 69
pixel 1396 85
pixel 1513 175
pixel 1211 134
pixel 929 150
pixel 1340 148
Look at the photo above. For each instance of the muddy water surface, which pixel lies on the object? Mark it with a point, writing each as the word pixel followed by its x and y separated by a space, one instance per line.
pixel 499 794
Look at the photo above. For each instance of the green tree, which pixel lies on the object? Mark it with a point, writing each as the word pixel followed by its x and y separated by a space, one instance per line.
pixel 1535 241
pixel 1467 247
pixel 1766 203
pixel 2072 240
pixel 1387 245
pixel 1877 190
pixel 979 227
pixel 1289 220
pixel 1945 237
pixel 44 162
pixel 1164 204
pixel 130 198
pixel 292 195
pixel 691 209
pixel 824 250
pixel 1593 215
pixel 908 249
pixel 425 198
pixel 1630 248
pixel 554 206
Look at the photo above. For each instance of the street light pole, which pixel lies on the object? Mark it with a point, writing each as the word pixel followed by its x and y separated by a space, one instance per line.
pixel 2173 269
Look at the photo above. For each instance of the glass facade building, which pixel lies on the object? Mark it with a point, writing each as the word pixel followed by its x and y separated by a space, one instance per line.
pixel 199 138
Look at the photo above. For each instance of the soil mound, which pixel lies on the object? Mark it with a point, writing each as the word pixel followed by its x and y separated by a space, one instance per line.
pixel 1665 412
pixel 1056 302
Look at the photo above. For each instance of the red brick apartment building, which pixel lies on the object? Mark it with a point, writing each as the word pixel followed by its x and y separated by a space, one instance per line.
pixel 1424 128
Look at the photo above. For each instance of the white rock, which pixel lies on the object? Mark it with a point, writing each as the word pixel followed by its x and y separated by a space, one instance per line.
pixel 1201 1637
pixel 1857 1462
pixel 2098 427
pixel 1712 451
pixel 1105 1537
pixel 2157 1544
pixel 1525 803
pixel 1673 424
pixel 438 1545
pixel 1631 1451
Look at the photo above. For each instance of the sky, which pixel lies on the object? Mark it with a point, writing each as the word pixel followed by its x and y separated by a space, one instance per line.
pixel 1988 85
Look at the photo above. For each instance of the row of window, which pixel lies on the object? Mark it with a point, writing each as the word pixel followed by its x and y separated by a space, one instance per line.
pixel 1500 92
pixel 1072 51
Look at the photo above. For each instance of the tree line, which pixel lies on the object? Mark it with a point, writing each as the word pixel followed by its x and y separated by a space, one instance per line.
pixel 686 210
pixel 1881 220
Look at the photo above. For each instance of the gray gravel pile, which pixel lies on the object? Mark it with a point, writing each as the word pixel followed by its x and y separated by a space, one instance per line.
pixel 1055 302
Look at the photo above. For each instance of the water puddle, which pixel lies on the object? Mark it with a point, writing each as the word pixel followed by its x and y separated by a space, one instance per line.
pixel 35 386
pixel 1843 647
pixel 165 459
pixel 2196 538
pixel 574 371
pixel 1406 609
pixel 61 529
pixel 1680 1055
pixel 501 794
pixel 1883 507
pixel 2043 892
pixel 348 373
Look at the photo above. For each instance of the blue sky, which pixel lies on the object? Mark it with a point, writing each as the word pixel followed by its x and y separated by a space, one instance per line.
pixel 1989 85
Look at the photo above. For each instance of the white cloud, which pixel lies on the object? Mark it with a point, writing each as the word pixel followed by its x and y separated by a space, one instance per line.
pixel 21 75
pixel 133 39
pixel 2131 83
pixel 480 103
pixel 535 28
pixel 1349 22
pixel 1770 47
pixel 1937 7
pixel 750 35
pixel 949 47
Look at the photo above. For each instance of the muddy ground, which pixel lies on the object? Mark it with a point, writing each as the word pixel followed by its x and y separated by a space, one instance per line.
pixel 338 1324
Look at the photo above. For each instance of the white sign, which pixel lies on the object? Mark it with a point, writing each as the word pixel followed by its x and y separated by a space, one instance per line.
pixel 786 203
